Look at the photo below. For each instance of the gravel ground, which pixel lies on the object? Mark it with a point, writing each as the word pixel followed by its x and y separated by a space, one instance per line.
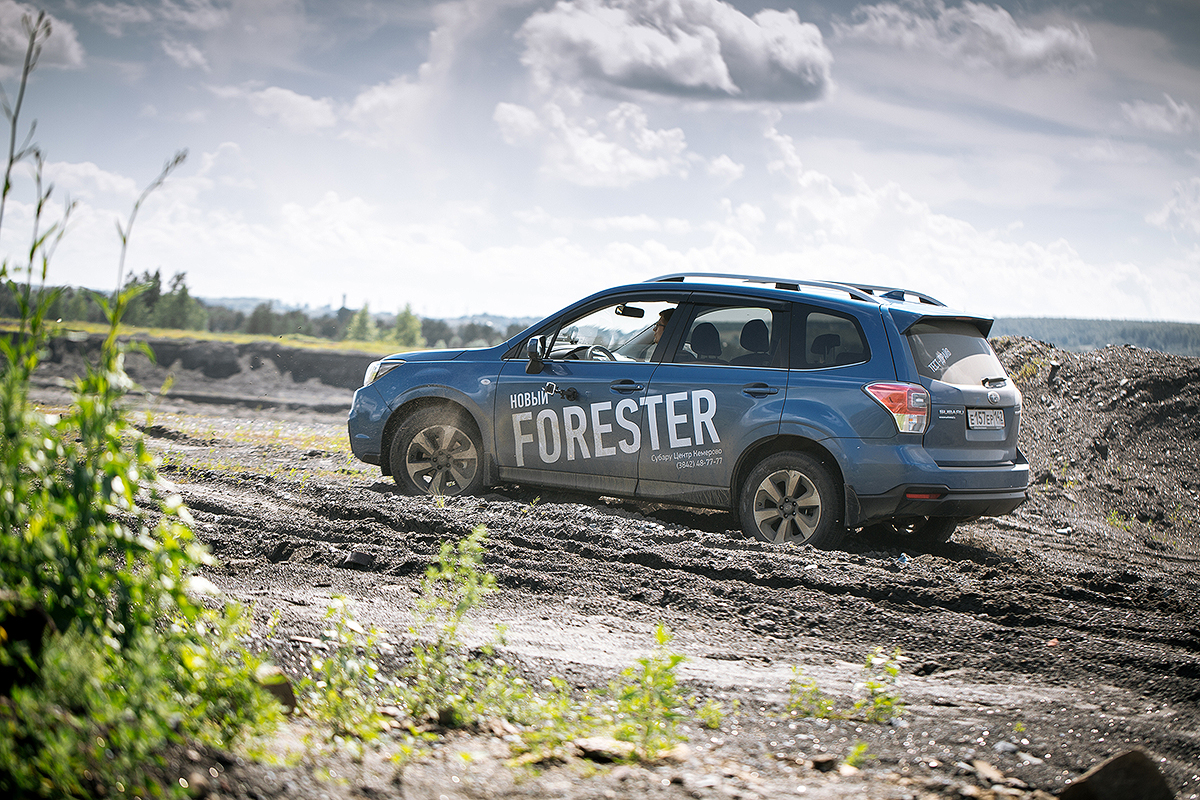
pixel 1033 646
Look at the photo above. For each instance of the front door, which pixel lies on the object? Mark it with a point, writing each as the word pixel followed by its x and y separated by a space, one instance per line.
pixel 585 430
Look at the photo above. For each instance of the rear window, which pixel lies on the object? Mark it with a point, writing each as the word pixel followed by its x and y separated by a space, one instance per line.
pixel 953 352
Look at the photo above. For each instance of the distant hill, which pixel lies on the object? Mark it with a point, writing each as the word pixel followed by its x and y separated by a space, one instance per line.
pixel 1081 335
pixel 248 304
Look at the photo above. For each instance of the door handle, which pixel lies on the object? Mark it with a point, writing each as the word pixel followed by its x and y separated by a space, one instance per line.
pixel 626 386
pixel 759 390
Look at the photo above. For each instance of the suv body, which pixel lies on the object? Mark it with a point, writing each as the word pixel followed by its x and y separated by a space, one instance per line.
pixel 808 407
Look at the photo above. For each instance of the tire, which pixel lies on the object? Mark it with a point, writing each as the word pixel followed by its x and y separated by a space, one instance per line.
pixel 921 531
pixel 792 497
pixel 436 451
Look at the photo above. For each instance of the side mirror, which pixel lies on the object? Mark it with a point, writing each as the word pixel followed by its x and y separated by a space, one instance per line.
pixel 535 351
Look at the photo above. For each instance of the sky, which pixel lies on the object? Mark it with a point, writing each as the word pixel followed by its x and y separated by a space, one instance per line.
pixel 1012 158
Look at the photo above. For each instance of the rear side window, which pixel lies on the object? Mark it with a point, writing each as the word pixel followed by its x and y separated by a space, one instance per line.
pixel 828 339
pixel 953 352
pixel 739 336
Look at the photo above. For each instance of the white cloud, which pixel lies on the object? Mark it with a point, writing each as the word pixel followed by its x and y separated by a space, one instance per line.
pixel 61 49
pixel 1181 212
pixel 204 15
pixel 118 16
pixel 642 223
pixel 1105 151
pixel 1166 117
pixel 745 217
pixel 297 112
pixel 618 151
pixel 973 34
pixel 397 113
pixel 197 15
pixel 84 181
pixel 884 235
pixel 689 48
pixel 185 54
pixel 517 124
pixel 385 115
pixel 726 169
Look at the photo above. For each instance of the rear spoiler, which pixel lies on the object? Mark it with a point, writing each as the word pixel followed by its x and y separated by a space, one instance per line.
pixel 907 317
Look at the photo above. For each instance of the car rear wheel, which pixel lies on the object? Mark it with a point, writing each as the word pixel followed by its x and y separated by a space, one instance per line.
pixel 791 497
pixel 436 451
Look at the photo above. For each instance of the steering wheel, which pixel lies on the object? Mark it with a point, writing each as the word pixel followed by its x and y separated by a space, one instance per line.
pixel 596 349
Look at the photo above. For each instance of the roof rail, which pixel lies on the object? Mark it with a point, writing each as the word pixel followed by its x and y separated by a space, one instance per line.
pixel 858 291
pixel 892 293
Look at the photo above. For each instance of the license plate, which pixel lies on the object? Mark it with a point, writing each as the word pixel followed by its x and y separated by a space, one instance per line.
pixel 987 419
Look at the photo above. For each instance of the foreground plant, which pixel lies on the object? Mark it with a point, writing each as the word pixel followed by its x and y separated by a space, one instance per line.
pixel 806 699
pixel 647 703
pixel 879 699
pixel 344 687
pixel 447 681
pixel 109 655
pixel 882 700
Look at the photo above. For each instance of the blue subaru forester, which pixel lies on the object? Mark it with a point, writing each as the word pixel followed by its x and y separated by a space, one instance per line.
pixel 811 408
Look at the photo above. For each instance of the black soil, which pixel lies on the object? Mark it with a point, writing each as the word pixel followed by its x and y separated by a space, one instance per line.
pixel 1040 643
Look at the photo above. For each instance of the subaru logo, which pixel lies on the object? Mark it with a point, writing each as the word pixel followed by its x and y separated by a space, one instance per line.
pixel 994 398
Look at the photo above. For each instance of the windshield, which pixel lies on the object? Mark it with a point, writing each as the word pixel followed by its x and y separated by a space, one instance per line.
pixel 953 352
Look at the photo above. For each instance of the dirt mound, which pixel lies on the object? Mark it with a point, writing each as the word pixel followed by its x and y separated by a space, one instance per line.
pixel 257 374
pixel 1117 430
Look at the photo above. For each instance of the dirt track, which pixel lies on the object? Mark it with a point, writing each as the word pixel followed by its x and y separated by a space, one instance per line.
pixel 1041 643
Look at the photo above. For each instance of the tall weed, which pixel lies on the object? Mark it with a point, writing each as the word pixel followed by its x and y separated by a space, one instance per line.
pixel 96 544
pixel 647 705
pixel 447 681
pixel 342 692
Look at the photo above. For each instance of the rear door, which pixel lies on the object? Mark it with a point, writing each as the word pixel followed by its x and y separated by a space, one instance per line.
pixel 719 389
pixel 975 409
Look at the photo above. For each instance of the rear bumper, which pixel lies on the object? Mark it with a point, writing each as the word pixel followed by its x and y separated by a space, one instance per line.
pixel 966 494
pixel 862 511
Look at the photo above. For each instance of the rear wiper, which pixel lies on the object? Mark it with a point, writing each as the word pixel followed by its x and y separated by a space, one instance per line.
pixel 994 383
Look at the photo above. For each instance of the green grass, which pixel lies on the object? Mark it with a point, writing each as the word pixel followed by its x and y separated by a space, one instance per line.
pixel 291 340
pixel 344 686
pixel 806 699
pixel 882 700
pixel 1118 520
pixel 878 699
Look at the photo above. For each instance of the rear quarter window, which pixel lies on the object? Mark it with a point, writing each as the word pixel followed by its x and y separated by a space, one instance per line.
pixel 953 352
pixel 827 339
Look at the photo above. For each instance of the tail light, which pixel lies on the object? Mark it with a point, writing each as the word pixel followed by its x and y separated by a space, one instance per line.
pixel 906 402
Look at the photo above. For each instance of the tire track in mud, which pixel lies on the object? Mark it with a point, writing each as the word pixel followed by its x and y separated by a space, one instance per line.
pixel 990 616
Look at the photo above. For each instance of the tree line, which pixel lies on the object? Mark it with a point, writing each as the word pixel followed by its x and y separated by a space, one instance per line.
pixel 171 305
pixel 1081 335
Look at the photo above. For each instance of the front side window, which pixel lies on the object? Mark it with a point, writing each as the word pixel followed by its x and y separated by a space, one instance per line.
pixel 739 336
pixel 954 352
pixel 627 331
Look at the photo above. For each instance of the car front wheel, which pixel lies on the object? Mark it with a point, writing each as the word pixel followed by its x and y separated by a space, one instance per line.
pixel 791 497
pixel 436 451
